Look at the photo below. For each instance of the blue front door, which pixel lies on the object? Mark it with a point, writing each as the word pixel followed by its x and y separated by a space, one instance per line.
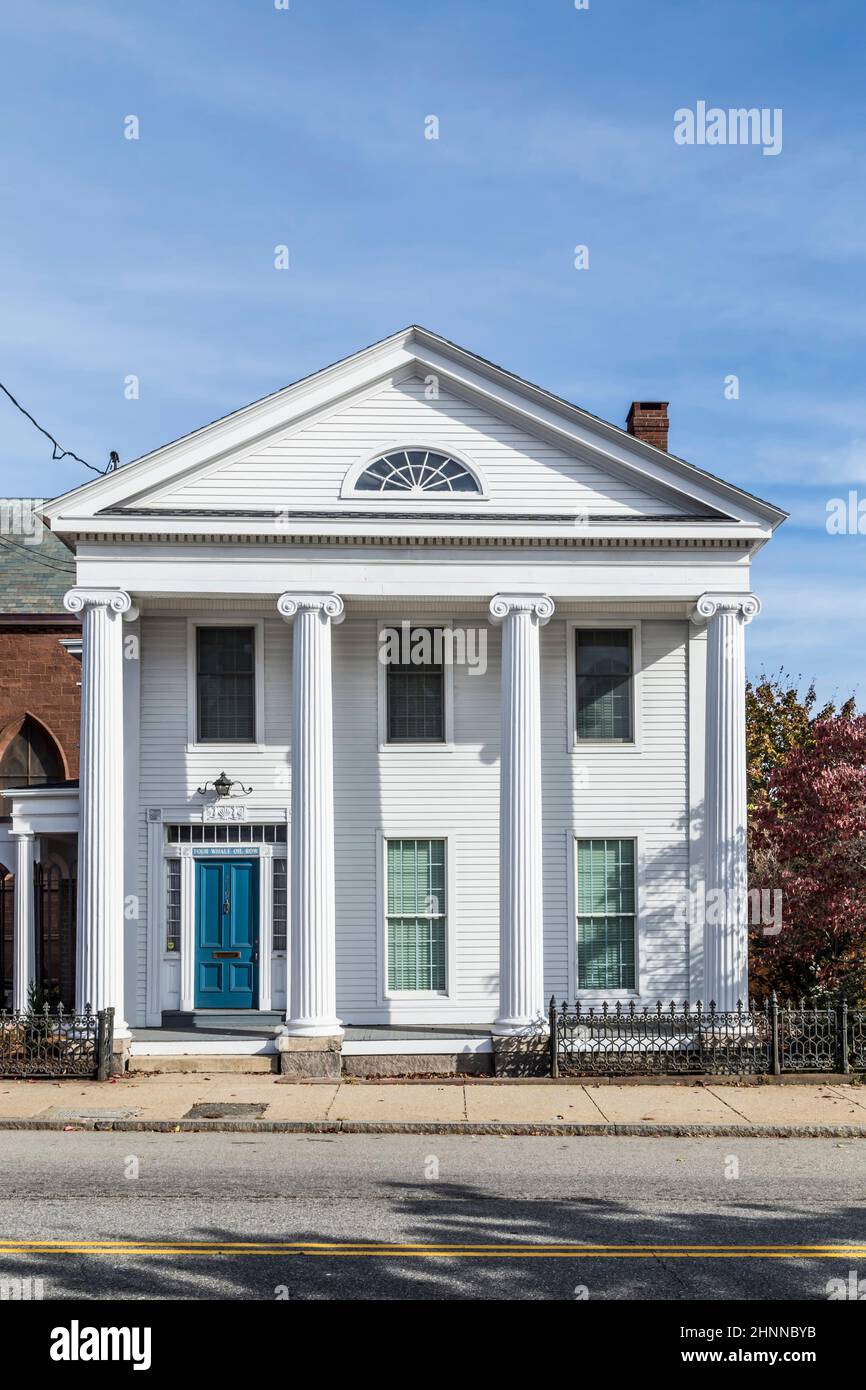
pixel 226 933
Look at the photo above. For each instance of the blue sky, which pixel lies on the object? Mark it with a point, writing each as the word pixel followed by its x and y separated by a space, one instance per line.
pixel 305 127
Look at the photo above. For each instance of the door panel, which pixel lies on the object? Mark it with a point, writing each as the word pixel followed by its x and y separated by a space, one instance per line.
pixel 227 923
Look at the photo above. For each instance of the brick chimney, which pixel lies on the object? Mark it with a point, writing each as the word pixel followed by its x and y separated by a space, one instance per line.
pixel 648 420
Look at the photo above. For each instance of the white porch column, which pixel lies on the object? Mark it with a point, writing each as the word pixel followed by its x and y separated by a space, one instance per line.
pixel 99 972
pixel 24 923
pixel 312 977
pixel 726 978
pixel 521 939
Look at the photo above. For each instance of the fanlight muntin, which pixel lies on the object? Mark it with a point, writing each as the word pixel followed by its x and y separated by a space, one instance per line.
pixel 414 473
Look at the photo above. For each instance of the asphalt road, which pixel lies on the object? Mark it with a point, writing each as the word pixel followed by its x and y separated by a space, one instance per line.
pixel 391 1193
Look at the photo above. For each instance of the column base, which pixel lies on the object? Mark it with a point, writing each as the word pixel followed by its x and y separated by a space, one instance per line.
pixel 520 1027
pixel 303 1028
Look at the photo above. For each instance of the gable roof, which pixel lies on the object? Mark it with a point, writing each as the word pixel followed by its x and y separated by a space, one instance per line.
pixel 34 577
pixel 693 494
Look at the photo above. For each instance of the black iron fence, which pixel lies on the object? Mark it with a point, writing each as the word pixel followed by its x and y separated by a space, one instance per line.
pixel 56 1044
pixel 676 1040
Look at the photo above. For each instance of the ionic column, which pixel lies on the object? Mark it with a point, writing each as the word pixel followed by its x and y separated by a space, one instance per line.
pixel 726 937
pixel 99 972
pixel 312 980
pixel 24 923
pixel 521 939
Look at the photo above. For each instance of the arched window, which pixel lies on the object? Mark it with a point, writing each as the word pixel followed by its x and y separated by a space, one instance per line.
pixel 31 757
pixel 417 472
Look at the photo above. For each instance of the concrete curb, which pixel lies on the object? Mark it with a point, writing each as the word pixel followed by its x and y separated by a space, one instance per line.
pixel 466 1127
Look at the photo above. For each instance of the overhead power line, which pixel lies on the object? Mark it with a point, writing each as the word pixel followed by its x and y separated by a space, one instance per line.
pixel 59 453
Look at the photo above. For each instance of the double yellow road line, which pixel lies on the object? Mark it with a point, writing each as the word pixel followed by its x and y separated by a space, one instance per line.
pixel 400 1250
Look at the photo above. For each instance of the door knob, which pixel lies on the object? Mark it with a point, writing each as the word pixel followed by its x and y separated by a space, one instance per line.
pixel 227 907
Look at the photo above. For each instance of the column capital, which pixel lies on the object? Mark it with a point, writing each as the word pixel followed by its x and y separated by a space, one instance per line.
pixel 118 600
pixel 743 606
pixel 540 606
pixel 330 605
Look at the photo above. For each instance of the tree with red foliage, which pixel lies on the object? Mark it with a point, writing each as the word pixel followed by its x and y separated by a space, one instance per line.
pixel 808 838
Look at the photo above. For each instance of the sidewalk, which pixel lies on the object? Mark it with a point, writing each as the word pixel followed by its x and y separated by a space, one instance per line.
pixel 259 1102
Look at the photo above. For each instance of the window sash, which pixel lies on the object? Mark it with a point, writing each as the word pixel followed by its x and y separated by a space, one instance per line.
pixel 606 914
pixel 172 905
pixel 280 908
pixel 416 915
pixel 225 684
pixel 415 700
pixel 604 684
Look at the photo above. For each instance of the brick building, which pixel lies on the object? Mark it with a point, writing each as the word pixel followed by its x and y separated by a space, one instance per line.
pixel 40 694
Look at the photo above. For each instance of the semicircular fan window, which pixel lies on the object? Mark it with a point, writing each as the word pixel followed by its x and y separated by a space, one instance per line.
pixel 417 471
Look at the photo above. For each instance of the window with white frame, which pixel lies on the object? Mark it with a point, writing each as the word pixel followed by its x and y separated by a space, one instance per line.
pixel 606 914
pixel 280 910
pixel 416 915
pixel 172 904
pixel 417 473
pixel 225 684
pixel 415 688
pixel 604 670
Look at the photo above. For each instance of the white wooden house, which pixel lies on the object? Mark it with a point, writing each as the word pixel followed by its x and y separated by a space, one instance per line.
pixel 473 663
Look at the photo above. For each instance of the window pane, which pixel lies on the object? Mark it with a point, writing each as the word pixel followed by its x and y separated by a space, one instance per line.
pixel 172 905
pixel 281 917
pixel 603 684
pixel 416 909
pixel 416 692
pixel 606 914
pixel 226 684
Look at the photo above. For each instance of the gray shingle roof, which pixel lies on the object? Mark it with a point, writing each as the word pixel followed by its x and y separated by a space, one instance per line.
pixel 36 568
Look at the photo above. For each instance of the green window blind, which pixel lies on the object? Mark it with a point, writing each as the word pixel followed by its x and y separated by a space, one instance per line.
pixel 605 914
pixel 603 684
pixel 416 913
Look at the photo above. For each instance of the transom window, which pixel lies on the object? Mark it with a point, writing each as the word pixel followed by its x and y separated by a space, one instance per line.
pixel 606 914
pixel 416 915
pixel 226 684
pixel 233 833
pixel 604 684
pixel 416 472
pixel 415 690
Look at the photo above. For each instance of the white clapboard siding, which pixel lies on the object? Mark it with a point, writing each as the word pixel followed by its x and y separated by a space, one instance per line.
pixel 616 792
pixel 307 468
pixel 453 792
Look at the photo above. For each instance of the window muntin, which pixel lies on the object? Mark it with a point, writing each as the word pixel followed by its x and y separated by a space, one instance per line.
pixel 606 914
pixel 226 684
pixel 604 684
pixel 415 693
pixel 172 904
pixel 280 909
pixel 414 472
pixel 416 915
pixel 230 833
